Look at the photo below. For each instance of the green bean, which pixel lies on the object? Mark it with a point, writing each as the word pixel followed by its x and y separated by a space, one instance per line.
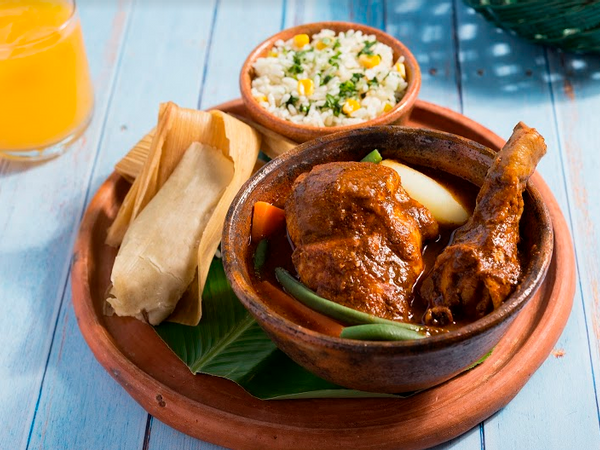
pixel 260 255
pixel 332 309
pixel 373 157
pixel 379 332
pixel 480 360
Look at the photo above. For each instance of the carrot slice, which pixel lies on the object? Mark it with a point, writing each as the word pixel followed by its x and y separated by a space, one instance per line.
pixel 266 219
pixel 298 313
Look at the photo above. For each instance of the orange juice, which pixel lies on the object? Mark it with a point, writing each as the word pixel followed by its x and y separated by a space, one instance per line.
pixel 46 95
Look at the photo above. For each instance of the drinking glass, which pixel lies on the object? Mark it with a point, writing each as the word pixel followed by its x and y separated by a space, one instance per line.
pixel 46 95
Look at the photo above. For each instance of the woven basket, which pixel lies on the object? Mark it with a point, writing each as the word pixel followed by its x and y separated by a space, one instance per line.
pixel 572 25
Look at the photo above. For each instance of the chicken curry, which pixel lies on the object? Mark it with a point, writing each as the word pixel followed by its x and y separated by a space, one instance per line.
pixel 355 237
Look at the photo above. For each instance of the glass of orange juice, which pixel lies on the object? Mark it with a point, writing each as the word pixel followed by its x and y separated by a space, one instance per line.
pixel 46 96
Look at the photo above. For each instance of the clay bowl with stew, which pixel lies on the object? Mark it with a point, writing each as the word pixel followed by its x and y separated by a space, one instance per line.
pixel 301 133
pixel 383 366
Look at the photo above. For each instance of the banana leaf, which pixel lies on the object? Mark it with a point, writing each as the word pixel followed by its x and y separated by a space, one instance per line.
pixel 228 343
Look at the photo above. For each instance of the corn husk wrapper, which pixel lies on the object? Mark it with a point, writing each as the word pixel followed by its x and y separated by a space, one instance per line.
pixel 176 130
pixel 247 152
pixel 131 165
pixel 272 144
pixel 158 257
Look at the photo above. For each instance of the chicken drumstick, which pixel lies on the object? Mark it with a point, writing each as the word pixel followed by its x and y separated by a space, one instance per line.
pixel 481 267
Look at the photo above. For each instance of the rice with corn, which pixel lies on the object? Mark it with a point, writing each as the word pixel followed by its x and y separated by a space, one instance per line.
pixel 331 80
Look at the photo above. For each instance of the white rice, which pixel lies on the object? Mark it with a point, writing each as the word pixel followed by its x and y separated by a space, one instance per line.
pixel 337 75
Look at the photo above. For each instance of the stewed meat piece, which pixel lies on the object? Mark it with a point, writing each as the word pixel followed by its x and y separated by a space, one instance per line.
pixel 358 236
pixel 481 267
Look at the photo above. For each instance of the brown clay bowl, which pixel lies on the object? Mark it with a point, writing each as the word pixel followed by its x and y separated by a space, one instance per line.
pixel 302 133
pixel 370 365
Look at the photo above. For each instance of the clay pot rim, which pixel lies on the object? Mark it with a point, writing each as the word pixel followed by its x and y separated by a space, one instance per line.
pixel 243 288
pixel 290 129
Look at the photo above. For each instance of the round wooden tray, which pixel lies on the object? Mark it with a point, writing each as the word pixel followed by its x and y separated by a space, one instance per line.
pixel 219 411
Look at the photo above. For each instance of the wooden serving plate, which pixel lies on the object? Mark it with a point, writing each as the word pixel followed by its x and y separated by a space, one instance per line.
pixel 219 411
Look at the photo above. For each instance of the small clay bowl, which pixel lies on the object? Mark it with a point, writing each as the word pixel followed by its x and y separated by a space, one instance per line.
pixel 371 365
pixel 301 133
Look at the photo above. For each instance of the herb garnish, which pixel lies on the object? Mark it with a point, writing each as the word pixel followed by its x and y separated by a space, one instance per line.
pixel 332 103
pixel 291 101
pixel 296 68
pixel 373 82
pixel 347 89
pixel 335 59
pixel 304 109
pixel 327 79
pixel 367 49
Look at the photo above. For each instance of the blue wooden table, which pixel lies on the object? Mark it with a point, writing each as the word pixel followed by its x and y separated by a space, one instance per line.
pixel 53 393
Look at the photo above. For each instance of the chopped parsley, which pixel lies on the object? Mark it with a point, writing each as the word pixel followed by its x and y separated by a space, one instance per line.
pixel 304 109
pixel 296 68
pixel 373 83
pixel 335 59
pixel 291 101
pixel 332 103
pixel 347 89
pixel 367 49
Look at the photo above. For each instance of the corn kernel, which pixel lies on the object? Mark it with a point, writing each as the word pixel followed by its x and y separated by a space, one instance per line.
pixel 320 45
pixel 262 98
pixel 369 61
pixel 300 40
pixel 350 106
pixel 306 87
pixel 401 69
pixel 272 54
pixel 387 107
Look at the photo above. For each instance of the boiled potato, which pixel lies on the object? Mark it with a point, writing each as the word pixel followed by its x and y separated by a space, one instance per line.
pixel 431 194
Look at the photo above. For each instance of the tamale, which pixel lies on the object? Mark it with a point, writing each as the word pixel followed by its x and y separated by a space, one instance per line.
pixel 244 158
pixel 273 144
pixel 158 256
pixel 130 166
pixel 177 128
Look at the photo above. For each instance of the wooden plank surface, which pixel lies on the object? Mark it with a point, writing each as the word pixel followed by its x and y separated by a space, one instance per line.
pixel 576 91
pixel 155 65
pixel 230 43
pixel 505 80
pixel 40 208
pixel 425 27
pixel 237 30
pixel 146 52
